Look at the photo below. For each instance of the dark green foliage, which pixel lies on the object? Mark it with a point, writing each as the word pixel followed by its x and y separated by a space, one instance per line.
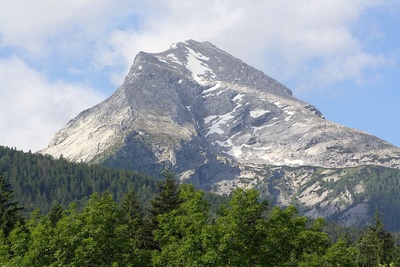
pixel 9 209
pixel 38 181
pixel 134 218
pixel 244 233
pixel 180 226
pixel 55 214
pixel 238 235
pixel 336 231
pixel 165 201
pixel 180 231
pixel 376 246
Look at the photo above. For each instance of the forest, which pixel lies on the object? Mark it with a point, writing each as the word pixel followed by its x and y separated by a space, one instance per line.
pixel 178 229
pixel 58 213
pixel 38 180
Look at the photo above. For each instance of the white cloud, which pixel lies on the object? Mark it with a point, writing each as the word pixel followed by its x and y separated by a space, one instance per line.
pixel 33 108
pixel 42 26
pixel 350 67
pixel 284 38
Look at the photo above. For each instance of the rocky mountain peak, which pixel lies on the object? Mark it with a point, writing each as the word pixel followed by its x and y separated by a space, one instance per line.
pixel 207 64
pixel 220 124
pixel 200 110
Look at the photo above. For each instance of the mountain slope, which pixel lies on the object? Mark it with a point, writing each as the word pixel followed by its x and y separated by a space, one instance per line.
pixel 196 91
pixel 214 120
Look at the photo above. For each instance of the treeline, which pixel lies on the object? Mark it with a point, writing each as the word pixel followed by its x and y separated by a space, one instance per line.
pixel 381 191
pixel 38 180
pixel 178 229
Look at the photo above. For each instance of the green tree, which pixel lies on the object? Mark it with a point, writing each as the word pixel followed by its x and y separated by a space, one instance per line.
pixel 166 200
pixel 55 214
pixel 95 237
pixel 289 240
pixel 341 254
pixel 377 245
pixel 236 237
pixel 9 209
pixel 338 254
pixel 180 231
pixel 133 219
pixel 42 248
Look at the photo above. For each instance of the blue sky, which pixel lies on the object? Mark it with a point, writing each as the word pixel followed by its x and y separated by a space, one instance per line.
pixel 58 58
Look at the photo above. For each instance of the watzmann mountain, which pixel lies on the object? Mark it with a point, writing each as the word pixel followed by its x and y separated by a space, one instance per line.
pixel 220 123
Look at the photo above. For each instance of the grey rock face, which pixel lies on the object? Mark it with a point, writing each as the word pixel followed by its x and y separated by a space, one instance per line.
pixel 206 114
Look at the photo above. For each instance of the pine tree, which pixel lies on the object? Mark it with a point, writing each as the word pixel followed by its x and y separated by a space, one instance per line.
pixel 133 217
pixel 9 210
pixel 55 214
pixel 376 245
pixel 167 200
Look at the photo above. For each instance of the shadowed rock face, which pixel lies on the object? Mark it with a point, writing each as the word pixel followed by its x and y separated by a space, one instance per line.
pixel 207 115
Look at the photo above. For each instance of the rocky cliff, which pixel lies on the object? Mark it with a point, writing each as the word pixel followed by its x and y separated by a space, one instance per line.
pixel 216 121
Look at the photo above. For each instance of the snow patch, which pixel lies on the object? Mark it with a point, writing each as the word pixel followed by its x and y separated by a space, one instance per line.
pixel 210 118
pixel 162 60
pixel 279 104
pixel 174 58
pixel 234 151
pixel 258 128
pixel 288 112
pixel 195 64
pixel 294 162
pixel 238 97
pixel 258 112
pixel 215 87
pixel 217 122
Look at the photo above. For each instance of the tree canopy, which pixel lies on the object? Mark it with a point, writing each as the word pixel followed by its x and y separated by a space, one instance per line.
pixel 245 232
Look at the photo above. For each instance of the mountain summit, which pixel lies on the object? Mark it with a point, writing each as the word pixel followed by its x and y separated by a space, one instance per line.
pixel 197 95
pixel 213 119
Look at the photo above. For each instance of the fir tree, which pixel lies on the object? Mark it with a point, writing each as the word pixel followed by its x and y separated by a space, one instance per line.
pixel 9 210
pixel 165 201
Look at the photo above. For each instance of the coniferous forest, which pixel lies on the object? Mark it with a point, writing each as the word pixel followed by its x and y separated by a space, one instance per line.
pixel 133 220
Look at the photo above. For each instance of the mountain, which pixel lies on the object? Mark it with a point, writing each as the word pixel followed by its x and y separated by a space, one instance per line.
pixel 220 123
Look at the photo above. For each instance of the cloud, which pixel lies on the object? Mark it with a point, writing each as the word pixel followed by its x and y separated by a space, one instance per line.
pixel 42 27
pixel 33 108
pixel 351 67
pixel 289 40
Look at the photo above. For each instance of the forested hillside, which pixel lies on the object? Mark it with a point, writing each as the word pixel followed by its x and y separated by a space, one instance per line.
pixel 38 181
pixel 178 229
pixel 88 215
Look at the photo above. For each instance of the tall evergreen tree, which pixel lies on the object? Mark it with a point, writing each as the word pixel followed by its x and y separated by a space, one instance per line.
pixel 237 236
pixel 376 245
pixel 166 200
pixel 134 221
pixel 55 214
pixel 180 231
pixel 9 209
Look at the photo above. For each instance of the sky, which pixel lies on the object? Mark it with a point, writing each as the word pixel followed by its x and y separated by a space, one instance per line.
pixel 58 58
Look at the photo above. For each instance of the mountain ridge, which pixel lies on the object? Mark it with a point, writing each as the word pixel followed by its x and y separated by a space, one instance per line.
pixel 207 83
pixel 210 117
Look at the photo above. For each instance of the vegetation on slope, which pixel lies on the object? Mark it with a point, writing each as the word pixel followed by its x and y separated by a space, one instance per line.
pixel 136 221
pixel 179 230
pixel 38 180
